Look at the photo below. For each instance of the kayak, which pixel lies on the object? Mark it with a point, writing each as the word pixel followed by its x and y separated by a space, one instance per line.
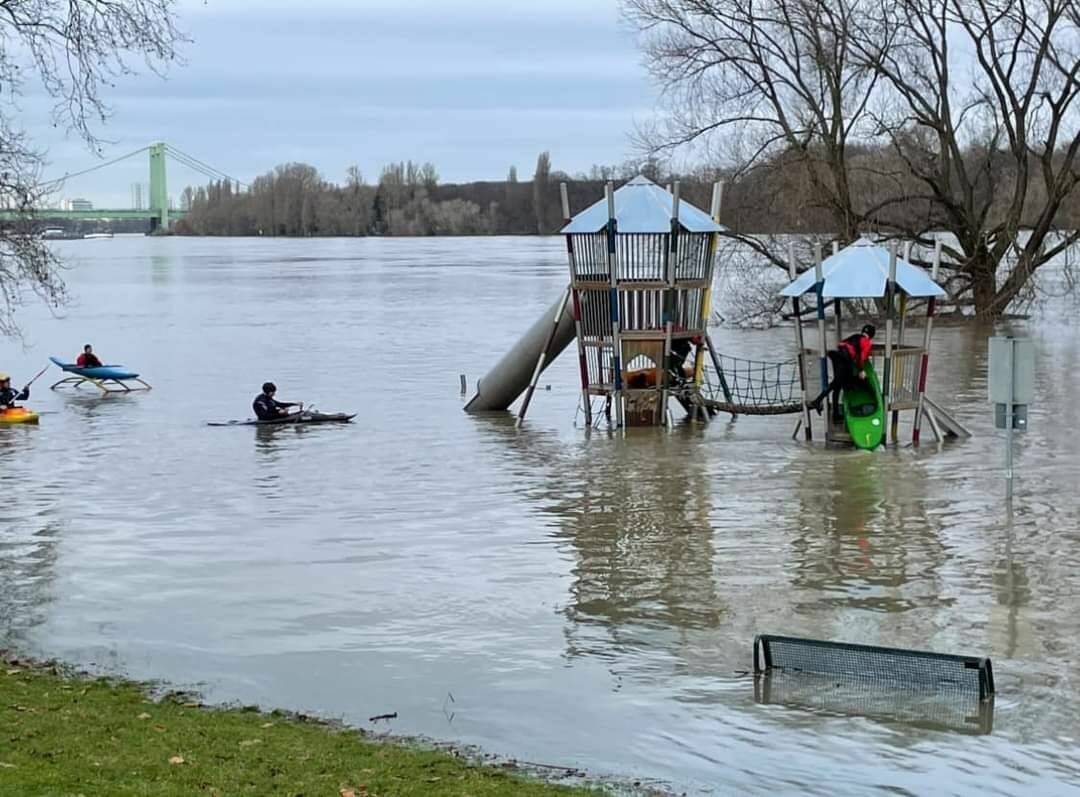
pixel 864 411
pixel 295 419
pixel 13 415
pixel 117 372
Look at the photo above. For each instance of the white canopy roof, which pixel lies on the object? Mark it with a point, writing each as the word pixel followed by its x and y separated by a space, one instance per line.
pixel 641 206
pixel 861 271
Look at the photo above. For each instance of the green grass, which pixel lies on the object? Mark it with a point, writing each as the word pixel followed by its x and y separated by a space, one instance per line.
pixel 64 736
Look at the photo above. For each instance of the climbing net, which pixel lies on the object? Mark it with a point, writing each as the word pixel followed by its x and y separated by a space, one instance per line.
pixel 753 387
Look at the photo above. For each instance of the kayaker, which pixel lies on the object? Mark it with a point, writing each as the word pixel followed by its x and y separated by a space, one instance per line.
pixel 267 408
pixel 8 396
pixel 88 359
pixel 849 365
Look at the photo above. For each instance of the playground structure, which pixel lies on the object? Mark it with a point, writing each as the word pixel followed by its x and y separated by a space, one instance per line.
pixel 865 270
pixel 641 266
pixel 641 269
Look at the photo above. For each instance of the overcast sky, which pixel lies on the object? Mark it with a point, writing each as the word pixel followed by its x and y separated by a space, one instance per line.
pixel 471 85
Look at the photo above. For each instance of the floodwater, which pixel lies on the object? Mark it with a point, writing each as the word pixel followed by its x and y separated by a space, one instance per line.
pixel 563 598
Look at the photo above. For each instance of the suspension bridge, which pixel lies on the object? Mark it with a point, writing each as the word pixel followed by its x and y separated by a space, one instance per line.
pixel 158 212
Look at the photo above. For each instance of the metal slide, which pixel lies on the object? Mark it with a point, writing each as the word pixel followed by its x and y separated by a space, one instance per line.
pixel 510 376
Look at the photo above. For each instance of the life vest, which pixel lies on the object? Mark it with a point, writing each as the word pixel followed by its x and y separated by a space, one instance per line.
pixel 858 348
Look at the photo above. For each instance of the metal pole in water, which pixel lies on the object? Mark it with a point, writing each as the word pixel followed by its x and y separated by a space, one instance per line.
pixel 1009 423
pixel 793 272
pixel 823 344
pixel 464 385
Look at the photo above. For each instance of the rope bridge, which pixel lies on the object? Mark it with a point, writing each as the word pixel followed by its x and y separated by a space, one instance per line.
pixel 752 387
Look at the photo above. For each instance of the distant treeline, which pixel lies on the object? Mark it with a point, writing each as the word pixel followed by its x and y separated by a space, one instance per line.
pixel 294 200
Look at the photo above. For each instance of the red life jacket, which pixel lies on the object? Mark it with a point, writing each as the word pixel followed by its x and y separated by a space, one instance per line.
pixel 859 348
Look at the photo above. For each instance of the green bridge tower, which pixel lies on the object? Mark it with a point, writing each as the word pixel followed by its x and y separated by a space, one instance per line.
pixel 159 190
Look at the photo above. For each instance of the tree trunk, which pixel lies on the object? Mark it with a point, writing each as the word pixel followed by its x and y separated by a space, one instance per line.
pixel 984 286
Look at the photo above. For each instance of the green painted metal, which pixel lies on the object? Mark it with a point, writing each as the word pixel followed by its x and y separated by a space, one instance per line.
pixel 159 192
pixel 99 215
pixel 158 213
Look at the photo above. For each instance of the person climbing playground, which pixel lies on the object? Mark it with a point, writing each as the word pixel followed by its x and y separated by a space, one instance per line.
pixel 8 395
pixel 267 408
pixel 680 351
pixel 849 363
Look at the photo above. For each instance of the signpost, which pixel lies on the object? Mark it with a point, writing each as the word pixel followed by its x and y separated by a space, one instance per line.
pixel 1012 387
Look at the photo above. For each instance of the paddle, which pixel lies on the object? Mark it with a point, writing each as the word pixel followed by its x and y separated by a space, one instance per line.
pixel 38 376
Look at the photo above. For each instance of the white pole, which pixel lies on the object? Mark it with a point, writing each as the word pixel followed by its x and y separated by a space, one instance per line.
pixel 801 345
pixel 886 393
pixel 925 359
pixel 836 303
pixel 1009 423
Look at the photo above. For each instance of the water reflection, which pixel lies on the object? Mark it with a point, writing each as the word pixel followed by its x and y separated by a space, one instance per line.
pixel 161 268
pixel 634 513
pixel 29 550
pixel 864 539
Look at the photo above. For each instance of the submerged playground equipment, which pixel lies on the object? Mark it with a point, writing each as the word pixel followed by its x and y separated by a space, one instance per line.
pixel 866 270
pixel 641 269
pixel 641 265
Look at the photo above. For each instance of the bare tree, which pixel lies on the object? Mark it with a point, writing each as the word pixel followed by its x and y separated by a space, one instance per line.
pixel 541 178
pixel 981 109
pixel 73 49
pixel 904 117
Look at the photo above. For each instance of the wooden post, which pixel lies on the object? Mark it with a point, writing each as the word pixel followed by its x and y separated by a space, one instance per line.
pixel 890 309
pixel 823 344
pixel 706 302
pixel 669 299
pixel 925 360
pixel 583 365
pixel 801 348
pixel 539 369
pixel 616 337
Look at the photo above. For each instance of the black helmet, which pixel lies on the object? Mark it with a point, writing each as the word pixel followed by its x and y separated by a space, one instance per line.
pixel 869 330
pixel 269 387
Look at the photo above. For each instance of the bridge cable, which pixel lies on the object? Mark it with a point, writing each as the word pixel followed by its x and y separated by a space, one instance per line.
pixel 192 162
pixel 92 168
pixel 198 167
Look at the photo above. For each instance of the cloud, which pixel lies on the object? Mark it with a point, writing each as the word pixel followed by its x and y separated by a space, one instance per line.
pixel 472 85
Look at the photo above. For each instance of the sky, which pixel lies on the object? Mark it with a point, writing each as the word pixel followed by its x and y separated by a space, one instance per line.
pixel 474 86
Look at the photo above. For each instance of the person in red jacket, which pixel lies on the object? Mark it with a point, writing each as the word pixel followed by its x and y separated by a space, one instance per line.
pixel 88 359
pixel 849 363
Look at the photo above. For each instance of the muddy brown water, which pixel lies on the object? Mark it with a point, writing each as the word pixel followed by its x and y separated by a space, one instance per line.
pixel 562 598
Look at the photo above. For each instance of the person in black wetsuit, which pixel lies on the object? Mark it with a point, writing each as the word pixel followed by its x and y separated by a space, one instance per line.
pixel 849 363
pixel 8 395
pixel 680 351
pixel 267 408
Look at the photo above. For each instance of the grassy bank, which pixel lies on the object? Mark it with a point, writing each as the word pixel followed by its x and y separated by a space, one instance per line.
pixel 64 736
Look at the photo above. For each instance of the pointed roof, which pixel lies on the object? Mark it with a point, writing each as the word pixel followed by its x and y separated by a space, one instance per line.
pixel 861 271
pixel 641 206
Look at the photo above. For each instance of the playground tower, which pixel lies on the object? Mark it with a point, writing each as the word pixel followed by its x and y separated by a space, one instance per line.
pixel 641 270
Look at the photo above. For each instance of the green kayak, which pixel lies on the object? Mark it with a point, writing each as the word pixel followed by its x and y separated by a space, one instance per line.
pixel 864 411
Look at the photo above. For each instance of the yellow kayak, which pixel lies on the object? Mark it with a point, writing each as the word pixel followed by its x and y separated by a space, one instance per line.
pixel 17 415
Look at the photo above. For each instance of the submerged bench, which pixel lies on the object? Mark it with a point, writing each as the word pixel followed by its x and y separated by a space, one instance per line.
pixel 889 667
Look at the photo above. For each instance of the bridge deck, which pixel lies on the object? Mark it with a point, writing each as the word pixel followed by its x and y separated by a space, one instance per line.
pixel 100 215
